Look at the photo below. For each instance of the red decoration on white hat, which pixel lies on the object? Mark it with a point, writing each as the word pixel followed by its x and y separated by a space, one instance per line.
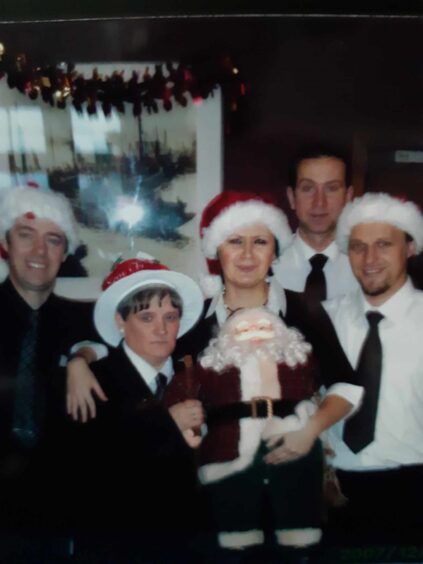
pixel 128 267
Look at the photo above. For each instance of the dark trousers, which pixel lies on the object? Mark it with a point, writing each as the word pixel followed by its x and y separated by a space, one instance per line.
pixel 383 507
pixel 291 492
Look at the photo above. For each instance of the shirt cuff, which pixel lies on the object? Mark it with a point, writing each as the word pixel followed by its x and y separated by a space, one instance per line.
pixel 100 350
pixel 350 392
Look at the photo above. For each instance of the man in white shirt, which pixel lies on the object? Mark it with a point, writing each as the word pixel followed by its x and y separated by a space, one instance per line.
pixel 379 449
pixel 319 187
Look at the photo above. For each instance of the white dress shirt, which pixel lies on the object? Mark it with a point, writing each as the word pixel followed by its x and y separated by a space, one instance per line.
pixel 293 267
pixel 399 422
pixel 147 372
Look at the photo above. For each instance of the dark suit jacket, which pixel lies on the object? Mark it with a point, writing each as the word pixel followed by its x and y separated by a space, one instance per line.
pixel 31 480
pixel 134 455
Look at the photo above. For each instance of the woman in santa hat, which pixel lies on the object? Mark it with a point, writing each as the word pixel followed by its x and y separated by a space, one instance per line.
pixel 243 235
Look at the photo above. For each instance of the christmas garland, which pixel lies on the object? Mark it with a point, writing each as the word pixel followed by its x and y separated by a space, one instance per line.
pixel 57 85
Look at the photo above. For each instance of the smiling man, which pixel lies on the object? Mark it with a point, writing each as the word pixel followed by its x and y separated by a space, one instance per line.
pixel 37 230
pixel 379 450
pixel 319 187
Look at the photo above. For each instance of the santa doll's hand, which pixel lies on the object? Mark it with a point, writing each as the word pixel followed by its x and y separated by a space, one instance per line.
pixel 193 440
pixel 187 414
pixel 294 445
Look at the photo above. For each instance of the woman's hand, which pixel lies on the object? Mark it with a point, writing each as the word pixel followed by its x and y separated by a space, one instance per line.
pixel 193 440
pixel 187 414
pixel 295 444
pixel 81 384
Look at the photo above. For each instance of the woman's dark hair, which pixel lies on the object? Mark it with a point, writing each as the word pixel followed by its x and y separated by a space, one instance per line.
pixel 141 299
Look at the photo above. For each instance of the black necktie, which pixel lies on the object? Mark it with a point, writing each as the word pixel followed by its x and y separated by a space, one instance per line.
pixel 26 421
pixel 359 431
pixel 315 286
pixel 161 382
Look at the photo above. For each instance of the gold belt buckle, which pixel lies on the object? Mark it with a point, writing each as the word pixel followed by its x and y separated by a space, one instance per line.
pixel 269 406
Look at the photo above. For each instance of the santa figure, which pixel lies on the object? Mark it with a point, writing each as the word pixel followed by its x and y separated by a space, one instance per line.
pixel 256 382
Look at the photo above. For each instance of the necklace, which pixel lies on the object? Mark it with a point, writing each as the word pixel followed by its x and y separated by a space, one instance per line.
pixel 231 311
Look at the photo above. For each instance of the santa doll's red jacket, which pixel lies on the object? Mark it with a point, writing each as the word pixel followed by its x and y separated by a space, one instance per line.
pixel 233 435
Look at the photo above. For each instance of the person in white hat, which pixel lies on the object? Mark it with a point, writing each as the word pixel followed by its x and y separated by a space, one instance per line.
pixel 379 450
pixel 137 447
pixel 37 232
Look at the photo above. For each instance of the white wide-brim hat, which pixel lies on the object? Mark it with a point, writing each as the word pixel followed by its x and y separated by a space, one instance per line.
pixel 186 288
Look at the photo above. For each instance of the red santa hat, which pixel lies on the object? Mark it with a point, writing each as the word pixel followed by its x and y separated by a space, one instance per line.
pixel 230 211
pixel 33 203
pixel 380 208
pixel 132 275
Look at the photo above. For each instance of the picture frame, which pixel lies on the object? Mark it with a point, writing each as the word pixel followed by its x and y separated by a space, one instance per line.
pixel 136 182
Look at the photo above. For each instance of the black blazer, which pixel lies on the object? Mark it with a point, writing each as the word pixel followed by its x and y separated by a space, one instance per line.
pixel 134 454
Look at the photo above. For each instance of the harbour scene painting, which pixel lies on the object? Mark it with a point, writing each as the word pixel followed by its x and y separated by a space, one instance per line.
pixel 134 181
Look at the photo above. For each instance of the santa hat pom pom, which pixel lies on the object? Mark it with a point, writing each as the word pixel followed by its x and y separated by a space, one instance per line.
pixel 211 285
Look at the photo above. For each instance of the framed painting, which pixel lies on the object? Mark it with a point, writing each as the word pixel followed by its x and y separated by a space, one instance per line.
pixel 136 182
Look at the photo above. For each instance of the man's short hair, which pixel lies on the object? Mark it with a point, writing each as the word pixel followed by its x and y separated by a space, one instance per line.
pixel 141 299
pixel 317 151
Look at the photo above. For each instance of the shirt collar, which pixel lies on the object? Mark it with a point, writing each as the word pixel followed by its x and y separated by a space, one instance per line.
pixel 20 306
pixel 393 309
pixel 145 369
pixel 331 251
pixel 276 302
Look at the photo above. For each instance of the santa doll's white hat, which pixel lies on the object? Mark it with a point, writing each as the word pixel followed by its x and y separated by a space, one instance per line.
pixel 230 211
pixel 380 208
pixel 35 203
pixel 133 275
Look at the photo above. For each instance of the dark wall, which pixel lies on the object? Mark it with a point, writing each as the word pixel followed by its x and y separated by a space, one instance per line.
pixel 353 80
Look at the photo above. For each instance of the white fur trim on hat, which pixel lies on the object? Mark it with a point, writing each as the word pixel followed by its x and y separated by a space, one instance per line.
pixel 380 208
pixel 211 284
pixel 105 308
pixel 44 205
pixel 243 214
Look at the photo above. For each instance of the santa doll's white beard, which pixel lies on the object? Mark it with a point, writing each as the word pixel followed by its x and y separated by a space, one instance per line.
pixel 225 351
pixel 228 352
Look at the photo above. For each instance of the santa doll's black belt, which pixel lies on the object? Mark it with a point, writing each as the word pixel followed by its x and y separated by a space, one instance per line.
pixel 258 408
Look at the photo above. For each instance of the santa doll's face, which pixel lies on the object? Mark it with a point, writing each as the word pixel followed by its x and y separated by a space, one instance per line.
pixel 252 327
pixel 255 329
pixel 258 333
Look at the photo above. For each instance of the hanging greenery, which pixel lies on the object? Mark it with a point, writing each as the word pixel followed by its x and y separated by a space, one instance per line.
pixel 167 84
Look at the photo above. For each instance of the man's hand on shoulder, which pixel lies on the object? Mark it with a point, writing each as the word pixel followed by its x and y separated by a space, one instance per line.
pixel 81 386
